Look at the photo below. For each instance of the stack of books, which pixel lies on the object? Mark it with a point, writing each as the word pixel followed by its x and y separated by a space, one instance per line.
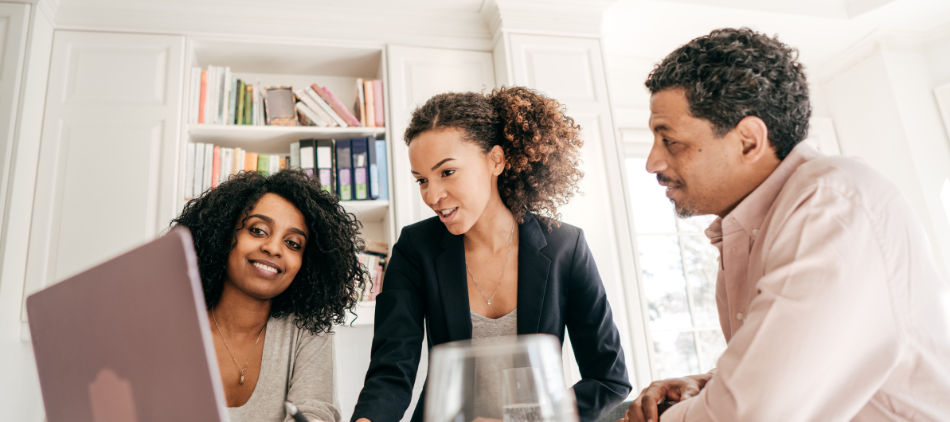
pixel 207 165
pixel 218 97
pixel 354 169
pixel 373 259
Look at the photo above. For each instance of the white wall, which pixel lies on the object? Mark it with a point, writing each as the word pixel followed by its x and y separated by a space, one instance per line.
pixel 886 114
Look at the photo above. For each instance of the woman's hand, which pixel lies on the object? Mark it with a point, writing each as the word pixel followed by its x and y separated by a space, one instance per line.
pixel 644 408
pixel 363 420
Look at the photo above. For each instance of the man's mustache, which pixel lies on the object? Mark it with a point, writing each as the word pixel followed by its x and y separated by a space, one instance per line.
pixel 668 181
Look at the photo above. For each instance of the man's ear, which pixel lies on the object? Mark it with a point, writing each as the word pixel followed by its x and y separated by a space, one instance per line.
pixel 754 135
pixel 497 157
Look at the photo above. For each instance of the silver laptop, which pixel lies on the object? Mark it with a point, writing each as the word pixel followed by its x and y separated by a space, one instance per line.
pixel 129 340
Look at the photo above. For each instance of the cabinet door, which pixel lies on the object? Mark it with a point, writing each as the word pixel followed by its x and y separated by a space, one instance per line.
pixel 14 22
pixel 415 75
pixel 108 154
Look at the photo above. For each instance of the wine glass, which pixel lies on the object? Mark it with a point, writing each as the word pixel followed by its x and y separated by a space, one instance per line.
pixel 513 378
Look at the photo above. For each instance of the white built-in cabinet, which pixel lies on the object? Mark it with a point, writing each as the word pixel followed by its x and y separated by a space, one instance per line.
pixel 108 159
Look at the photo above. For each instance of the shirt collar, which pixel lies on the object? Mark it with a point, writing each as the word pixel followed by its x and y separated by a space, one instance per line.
pixel 751 211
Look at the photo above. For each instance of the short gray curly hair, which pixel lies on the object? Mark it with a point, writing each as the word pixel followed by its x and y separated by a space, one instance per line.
pixel 734 73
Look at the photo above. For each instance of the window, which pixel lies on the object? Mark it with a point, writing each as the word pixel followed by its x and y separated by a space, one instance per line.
pixel 677 268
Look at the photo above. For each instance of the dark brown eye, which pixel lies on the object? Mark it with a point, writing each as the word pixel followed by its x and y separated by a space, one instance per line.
pixel 448 173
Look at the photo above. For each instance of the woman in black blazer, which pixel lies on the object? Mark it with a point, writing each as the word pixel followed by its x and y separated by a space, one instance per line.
pixel 488 164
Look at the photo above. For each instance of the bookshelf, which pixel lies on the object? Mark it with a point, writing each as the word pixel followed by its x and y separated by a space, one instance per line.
pixel 297 65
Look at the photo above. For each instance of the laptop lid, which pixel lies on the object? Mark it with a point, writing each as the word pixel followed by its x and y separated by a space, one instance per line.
pixel 128 340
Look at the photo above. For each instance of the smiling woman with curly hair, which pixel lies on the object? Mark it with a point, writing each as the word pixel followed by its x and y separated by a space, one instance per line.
pixel 495 261
pixel 278 265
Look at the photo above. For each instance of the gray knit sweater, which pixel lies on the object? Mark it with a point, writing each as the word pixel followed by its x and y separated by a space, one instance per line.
pixel 297 366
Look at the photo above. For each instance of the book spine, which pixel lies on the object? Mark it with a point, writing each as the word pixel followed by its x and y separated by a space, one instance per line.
pixel 240 106
pixel 370 113
pixel 324 161
pixel 382 161
pixel 378 109
pixel 360 161
pixel 373 183
pixel 248 105
pixel 274 164
pixel 360 108
pixel 227 165
pixel 208 167
pixel 225 73
pixel 197 188
pixel 237 163
pixel 322 104
pixel 294 155
pixel 341 109
pixel 203 100
pixel 305 146
pixel 189 171
pixel 344 170
pixel 263 164
pixel 215 166
pixel 250 161
pixel 232 102
pixel 213 92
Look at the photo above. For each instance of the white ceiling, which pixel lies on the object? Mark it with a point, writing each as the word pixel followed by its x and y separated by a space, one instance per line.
pixel 651 29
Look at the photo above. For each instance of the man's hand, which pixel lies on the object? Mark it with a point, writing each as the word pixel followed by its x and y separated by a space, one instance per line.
pixel 644 409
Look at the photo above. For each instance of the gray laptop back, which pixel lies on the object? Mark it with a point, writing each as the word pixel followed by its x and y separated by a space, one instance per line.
pixel 128 340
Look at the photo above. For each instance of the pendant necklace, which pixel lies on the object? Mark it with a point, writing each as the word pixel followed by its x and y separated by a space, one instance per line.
pixel 488 299
pixel 229 349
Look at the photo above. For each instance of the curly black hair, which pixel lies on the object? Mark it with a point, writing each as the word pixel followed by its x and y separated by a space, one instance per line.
pixel 542 144
pixel 330 278
pixel 734 73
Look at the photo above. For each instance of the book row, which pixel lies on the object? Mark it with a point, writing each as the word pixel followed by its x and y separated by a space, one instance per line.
pixel 206 165
pixel 373 259
pixel 353 169
pixel 218 97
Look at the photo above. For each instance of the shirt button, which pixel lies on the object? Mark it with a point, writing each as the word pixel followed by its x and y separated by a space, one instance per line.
pixel 755 232
pixel 739 316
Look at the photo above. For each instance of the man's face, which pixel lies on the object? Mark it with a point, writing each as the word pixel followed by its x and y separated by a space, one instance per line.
pixel 697 168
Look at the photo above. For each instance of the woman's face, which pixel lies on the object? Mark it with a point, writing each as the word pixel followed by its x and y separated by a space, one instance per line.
pixel 456 179
pixel 269 248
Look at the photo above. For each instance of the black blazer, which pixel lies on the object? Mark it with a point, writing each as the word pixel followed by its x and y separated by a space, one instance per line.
pixel 558 286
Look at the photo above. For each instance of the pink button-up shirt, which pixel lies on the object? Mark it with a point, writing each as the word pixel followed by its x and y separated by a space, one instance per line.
pixel 830 302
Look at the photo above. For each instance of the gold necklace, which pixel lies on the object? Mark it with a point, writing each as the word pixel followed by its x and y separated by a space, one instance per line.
pixel 229 349
pixel 488 299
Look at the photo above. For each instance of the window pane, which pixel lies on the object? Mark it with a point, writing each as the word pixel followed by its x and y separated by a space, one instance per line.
pixel 712 344
pixel 663 282
pixel 696 224
pixel 701 271
pixel 674 354
pixel 652 211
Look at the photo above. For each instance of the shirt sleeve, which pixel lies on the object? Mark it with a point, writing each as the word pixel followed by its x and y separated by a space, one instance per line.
pixel 397 339
pixel 595 339
pixel 313 383
pixel 820 337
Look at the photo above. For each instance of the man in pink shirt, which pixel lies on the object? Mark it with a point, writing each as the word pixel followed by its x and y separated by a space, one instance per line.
pixel 828 295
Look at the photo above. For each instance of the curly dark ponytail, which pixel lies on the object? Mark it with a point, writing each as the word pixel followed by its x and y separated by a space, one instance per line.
pixel 542 144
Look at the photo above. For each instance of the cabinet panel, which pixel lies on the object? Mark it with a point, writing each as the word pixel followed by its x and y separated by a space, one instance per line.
pixel 13 35
pixel 108 154
pixel 117 74
pixel 571 70
pixel 415 75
